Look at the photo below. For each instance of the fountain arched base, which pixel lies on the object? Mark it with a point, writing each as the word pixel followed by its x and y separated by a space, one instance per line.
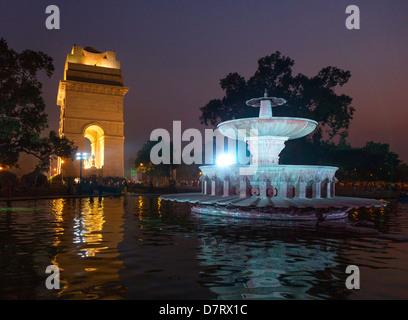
pixel 290 214
pixel 274 208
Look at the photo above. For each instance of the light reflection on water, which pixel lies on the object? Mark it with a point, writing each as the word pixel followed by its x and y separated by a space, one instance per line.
pixel 145 248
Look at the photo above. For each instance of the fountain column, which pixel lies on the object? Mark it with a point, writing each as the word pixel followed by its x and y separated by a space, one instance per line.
pixel 205 186
pixel 283 189
pixel 262 188
pixel 329 189
pixel 265 108
pixel 243 187
pixel 226 187
pixel 214 186
pixel 265 150
pixel 334 186
pixel 302 189
pixel 317 192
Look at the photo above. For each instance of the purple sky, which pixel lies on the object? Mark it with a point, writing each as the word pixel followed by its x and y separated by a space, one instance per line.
pixel 173 54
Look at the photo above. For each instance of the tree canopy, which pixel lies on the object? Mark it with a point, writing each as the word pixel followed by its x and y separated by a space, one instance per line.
pixel 22 109
pixel 373 162
pixel 159 170
pixel 313 98
pixel 309 97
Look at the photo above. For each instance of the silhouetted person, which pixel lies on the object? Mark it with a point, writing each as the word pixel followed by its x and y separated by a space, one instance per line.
pixel 91 188
pixel 9 188
pixel 100 188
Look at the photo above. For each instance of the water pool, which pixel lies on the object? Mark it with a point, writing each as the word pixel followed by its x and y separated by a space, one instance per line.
pixel 140 247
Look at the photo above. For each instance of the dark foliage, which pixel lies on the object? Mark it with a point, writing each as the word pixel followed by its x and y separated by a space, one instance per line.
pixel 309 97
pixel 22 109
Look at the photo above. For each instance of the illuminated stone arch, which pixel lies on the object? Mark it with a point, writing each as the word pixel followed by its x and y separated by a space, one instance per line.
pixel 91 99
pixel 96 135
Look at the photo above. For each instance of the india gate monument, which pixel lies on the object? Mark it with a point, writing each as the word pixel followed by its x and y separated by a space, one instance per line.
pixel 91 100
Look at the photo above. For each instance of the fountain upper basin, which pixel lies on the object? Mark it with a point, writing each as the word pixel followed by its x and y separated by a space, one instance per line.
pixel 291 128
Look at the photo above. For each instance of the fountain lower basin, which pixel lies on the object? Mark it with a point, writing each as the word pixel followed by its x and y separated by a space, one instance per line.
pixel 289 209
pixel 274 192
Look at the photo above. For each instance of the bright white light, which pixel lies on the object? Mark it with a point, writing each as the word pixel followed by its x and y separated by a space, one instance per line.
pixel 225 160
pixel 82 156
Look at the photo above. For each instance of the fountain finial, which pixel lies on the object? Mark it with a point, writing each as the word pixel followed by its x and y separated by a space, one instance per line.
pixel 265 103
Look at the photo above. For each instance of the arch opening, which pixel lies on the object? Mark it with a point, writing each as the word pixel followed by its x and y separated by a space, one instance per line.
pixel 309 189
pixel 96 137
pixel 323 188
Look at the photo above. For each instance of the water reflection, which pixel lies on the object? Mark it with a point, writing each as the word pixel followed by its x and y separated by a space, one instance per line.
pixel 92 232
pixel 159 251
pixel 80 236
pixel 145 248
pixel 263 260
pixel 88 225
pixel 257 260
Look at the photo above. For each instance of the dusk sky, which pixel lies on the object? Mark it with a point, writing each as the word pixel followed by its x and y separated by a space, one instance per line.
pixel 173 54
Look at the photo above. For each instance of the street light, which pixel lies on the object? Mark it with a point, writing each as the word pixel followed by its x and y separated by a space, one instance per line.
pixel 62 175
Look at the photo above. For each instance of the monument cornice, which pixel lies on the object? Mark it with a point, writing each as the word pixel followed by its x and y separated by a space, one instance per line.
pixel 93 120
pixel 110 136
pixel 89 88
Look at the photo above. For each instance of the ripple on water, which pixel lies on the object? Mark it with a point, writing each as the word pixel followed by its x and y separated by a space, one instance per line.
pixel 141 247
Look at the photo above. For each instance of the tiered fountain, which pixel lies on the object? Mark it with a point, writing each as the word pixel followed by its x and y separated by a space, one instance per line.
pixel 265 189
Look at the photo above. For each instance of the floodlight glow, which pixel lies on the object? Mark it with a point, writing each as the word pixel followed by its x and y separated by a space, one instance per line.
pixel 225 160
pixel 81 156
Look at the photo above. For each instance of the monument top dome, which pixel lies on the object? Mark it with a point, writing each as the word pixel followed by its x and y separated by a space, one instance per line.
pixel 91 50
pixel 93 57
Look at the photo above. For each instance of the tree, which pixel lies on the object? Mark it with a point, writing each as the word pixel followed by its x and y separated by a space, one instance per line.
pixel 159 170
pixel 22 109
pixel 373 162
pixel 309 97
pixel 402 172
pixel 380 162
